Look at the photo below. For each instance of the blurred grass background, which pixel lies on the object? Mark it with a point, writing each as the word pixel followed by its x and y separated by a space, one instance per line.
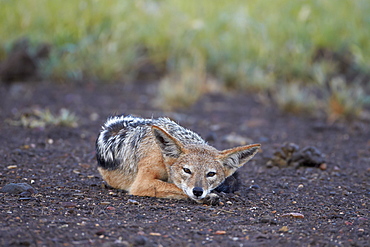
pixel 308 56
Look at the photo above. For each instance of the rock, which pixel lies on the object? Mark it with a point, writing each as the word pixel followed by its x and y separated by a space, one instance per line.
pixel 290 154
pixel 18 188
pixel 308 156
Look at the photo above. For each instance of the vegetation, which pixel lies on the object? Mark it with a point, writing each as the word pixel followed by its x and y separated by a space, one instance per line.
pixel 40 118
pixel 292 49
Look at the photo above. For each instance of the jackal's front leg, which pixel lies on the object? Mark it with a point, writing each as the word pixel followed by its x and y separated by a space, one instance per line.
pixel 156 188
pixel 148 182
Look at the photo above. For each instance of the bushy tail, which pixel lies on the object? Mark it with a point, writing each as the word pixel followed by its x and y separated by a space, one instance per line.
pixel 113 139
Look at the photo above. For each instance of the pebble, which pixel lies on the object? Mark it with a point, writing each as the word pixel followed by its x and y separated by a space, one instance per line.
pixel 100 232
pixel 268 220
pixel 284 229
pixel 220 232
pixel 323 166
pixel 254 186
pixel 134 202
pixel 295 215
pixel 18 188
pixel 336 168
pixel 140 240
pixel 25 198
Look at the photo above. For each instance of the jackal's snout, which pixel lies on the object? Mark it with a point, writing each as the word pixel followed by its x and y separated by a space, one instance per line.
pixel 197 191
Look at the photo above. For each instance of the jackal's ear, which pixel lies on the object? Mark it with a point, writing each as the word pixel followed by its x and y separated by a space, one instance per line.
pixel 236 157
pixel 170 146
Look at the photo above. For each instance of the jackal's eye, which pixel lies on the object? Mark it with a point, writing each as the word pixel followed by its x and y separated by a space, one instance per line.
pixel 211 174
pixel 187 170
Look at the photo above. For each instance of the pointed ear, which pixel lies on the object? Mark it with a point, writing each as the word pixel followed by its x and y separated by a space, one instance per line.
pixel 236 157
pixel 169 145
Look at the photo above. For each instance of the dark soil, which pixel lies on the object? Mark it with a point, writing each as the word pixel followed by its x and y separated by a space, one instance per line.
pixel 276 205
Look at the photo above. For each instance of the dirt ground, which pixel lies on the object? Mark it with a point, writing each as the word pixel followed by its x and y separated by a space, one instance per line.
pixel 69 204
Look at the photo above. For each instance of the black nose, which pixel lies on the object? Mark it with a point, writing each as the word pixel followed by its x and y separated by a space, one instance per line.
pixel 197 191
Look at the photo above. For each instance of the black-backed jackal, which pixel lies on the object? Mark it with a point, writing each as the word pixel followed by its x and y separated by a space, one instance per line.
pixel 159 158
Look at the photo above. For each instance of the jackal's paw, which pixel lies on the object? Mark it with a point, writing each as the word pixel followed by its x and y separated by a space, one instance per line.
pixel 211 199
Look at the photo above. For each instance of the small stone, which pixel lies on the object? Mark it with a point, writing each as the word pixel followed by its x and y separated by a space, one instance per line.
pixel 220 232
pixel 323 166
pixel 100 232
pixel 140 240
pixel 254 186
pixel 294 215
pixel 76 171
pixel 262 236
pixel 336 168
pixel 25 198
pixel 284 229
pixel 268 220
pixel 18 188
pixel 300 186
pixel 134 202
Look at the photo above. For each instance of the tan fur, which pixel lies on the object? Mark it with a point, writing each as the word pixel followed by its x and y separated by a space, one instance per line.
pixel 166 167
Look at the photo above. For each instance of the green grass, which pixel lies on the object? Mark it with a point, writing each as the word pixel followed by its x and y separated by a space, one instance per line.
pixel 247 45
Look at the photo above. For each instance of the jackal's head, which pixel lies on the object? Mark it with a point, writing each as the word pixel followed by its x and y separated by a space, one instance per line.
pixel 197 169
